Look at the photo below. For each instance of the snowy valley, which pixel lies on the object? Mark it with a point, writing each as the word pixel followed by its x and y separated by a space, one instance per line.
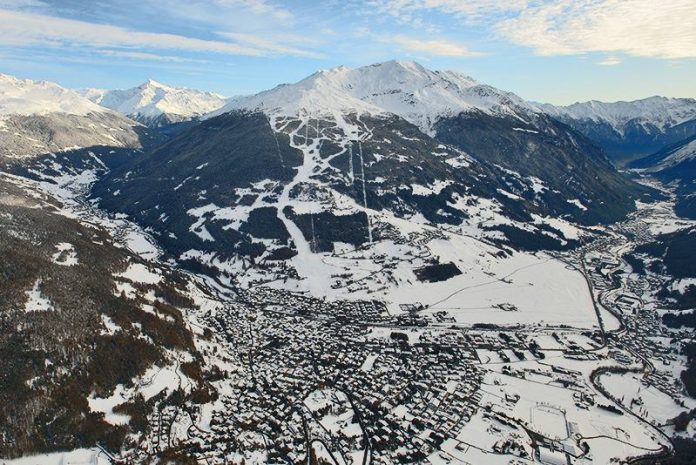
pixel 377 265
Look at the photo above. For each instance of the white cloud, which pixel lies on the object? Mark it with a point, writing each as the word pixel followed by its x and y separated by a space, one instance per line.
pixel 143 56
pixel 609 61
pixel 21 28
pixel 20 4
pixel 475 8
pixel 409 11
pixel 436 46
pixel 259 7
pixel 644 28
pixel 277 45
pixel 440 47
pixel 222 14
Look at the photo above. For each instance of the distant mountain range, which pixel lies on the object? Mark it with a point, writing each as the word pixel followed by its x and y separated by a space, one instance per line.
pixel 629 130
pixel 39 117
pixel 155 104
pixel 675 165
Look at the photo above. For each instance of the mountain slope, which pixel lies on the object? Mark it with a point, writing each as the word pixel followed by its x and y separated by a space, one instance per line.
pixel 539 146
pixel 155 104
pixel 676 164
pixel 296 185
pixel 489 124
pixel 627 130
pixel 92 337
pixel 38 117
pixel 403 88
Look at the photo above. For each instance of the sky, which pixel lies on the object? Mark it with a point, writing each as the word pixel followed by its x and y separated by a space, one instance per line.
pixel 556 51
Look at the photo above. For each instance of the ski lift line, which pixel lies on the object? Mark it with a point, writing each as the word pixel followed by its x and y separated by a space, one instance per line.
pixel 313 247
pixel 367 213
pixel 275 136
pixel 350 163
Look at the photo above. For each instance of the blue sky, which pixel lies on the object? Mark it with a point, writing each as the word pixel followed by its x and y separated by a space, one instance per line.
pixel 557 51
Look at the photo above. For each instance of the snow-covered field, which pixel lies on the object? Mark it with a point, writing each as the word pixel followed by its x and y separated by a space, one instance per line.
pixel 647 401
pixel 75 457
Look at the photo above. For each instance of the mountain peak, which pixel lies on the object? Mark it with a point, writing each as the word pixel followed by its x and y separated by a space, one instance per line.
pixel 28 97
pixel 660 111
pixel 152 99
pixel 151 83
pixel 404 88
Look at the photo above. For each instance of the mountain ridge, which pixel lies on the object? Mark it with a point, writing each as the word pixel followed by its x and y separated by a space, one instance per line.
pixel 403 88
pixel 627 130
pixel 30 97
pixel 41 117
pixel 156 104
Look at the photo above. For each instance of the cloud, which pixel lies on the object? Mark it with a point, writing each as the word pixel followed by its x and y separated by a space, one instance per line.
pixel 274 45
pixel 223 14
pixel 22 28
pixel 474 8
pixel 642 28
pixel 609 61
pixel 259 7
pixel 143 56
pixel 21 4
pixel 439 47
pixel 411 11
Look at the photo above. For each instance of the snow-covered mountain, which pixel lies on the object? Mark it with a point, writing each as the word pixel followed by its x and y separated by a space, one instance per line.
pixel 62 273
pixel 630 129
pixel 684 151
pixel 490 124
pixel 40 117
pixel 660 112
pixel 156 104
pixel 675 164
pixel 27 97
pixel 403 88
pixel 301 182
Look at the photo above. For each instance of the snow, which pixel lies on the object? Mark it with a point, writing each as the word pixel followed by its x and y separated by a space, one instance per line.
pixel 650 402
pixel 141 244
pixel 569 230
pixel 530 131
pixel 403 88
pixel 662 112
pixel 435 189
pixel 537 185
pixel 36 301
pixel 369 362
pixel 140 273
pixel 156 380
pixel 111 327
pixel 577 203
pixel 547 408
pixel 681 154
pixel 152 99
pixel 76 457
pixel 27 97
pixel 680 285
pixel 509 195
pixel 65 255
pixel 542 289
pixel 106 406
